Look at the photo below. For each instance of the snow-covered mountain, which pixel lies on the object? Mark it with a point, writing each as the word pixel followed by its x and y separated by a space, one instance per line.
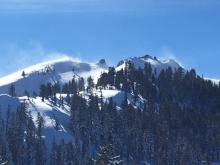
pixel 157 65
pixel 61 71
pixel 57 115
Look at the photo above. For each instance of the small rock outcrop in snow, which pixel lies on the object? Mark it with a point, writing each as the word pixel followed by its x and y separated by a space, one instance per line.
pixel 102 62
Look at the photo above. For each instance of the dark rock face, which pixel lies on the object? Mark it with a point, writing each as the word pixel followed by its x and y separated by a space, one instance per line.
pixel 147 56
pixel 102 61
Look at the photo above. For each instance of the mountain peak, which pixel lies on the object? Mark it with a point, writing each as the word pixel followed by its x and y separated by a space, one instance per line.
pixel 148 57
pixel 158 65
pixel 102 61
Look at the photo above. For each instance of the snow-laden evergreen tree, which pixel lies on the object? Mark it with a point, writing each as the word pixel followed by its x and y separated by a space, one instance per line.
pixel 107 156
pixel 54 154
pixel 2 139
pixel 81 84
pixel 40 148
pixel 30 141
pixel 12 136
pixel 90 84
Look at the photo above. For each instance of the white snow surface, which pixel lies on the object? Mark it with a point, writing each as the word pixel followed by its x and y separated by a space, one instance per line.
pixel 215 81
pixel 61 70
pixel 47 110
pixel 51 114
pixel 156 64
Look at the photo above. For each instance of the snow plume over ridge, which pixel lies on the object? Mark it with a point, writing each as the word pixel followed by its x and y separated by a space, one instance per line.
pixel 167 54
pixel 61 57
pixel 30 54
pixel 49 60
pixel 60 69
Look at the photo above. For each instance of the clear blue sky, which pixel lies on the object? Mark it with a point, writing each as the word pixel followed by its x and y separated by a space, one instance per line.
pixel 33 30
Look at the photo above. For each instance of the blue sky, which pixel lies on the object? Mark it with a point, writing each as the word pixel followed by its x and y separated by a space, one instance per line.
pixel 35 30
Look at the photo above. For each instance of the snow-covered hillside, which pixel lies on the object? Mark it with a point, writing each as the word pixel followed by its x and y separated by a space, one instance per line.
pixel 56 117
pixel 156 64
pixel 61 70
pixel 51 114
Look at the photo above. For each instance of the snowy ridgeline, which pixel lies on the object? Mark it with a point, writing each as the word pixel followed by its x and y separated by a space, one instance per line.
pixel 157 65
pixel 61 71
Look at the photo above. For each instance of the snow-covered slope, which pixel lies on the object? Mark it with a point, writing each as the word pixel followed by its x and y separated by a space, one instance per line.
pixel 156 64
pixel 61 70
pixel 51 114
pixel 56 115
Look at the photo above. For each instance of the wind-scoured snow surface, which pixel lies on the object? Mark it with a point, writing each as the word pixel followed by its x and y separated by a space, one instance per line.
pixel 156 64
pixel 61 70
pixel 56 119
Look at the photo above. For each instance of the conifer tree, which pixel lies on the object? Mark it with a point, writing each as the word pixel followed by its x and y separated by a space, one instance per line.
pixel 40 148
pixel 42 92
pixel 107 156
pixel 11 91
pixel 30 141
pixel 90 84
pixel 23 74
pixel 81 84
